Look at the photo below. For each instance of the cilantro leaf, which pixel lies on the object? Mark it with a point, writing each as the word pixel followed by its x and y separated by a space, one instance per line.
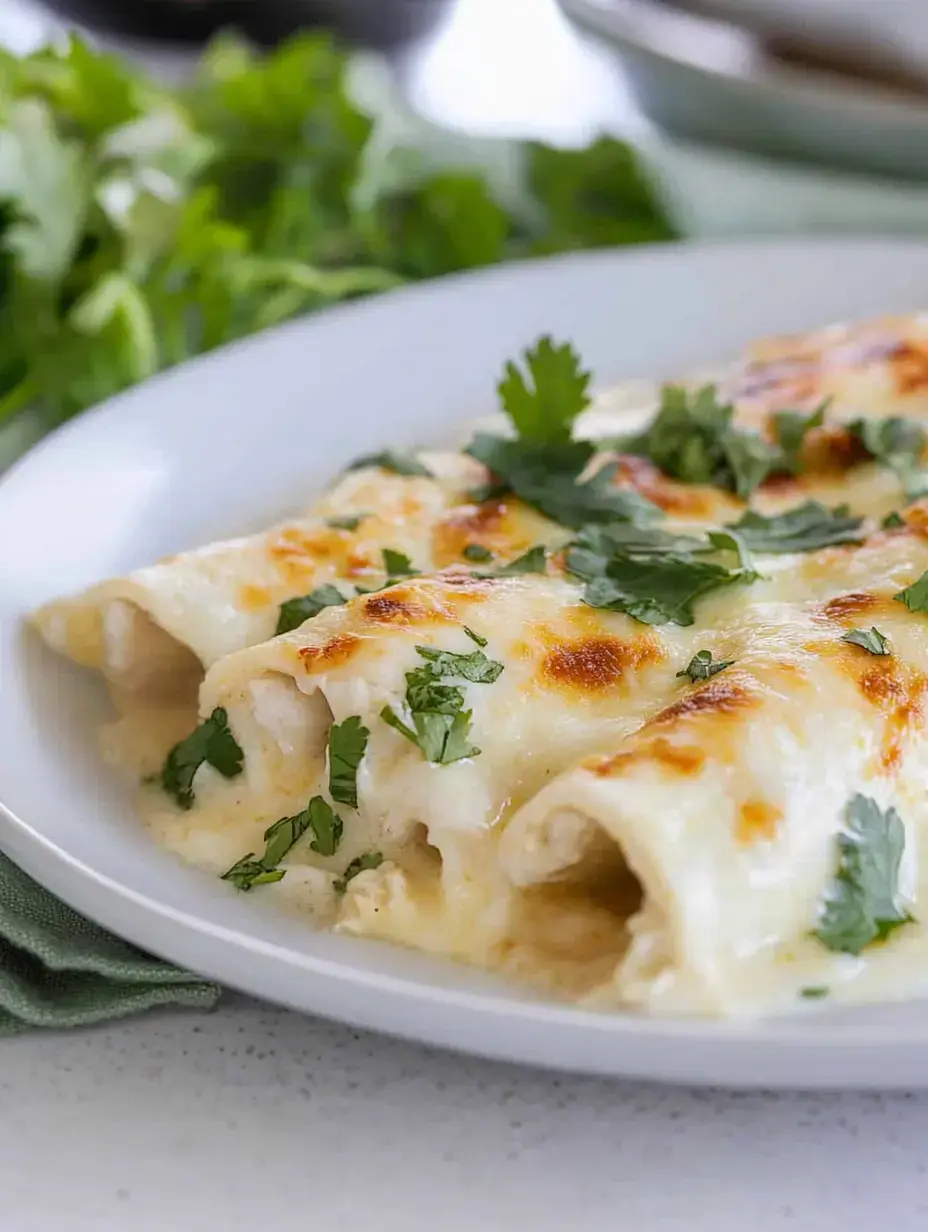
pixel 535 560
pixel 349 522
pixel 281 838
pixel 397 565
pixel 295 612
pixel 863 905
pixel 213 743
pixel 897 443
pixel 543 411
pixel 477 553
pixel 915 597
pixel 548 478
pixel 590 552
pixel 439 725
pixel 703 667
pixel 790 429
pixel 892 521
pixel 395 462
pixel 806 528
pixel 360 864
pixel 656 590
pixel 347 745
pixel 870 639
pixel 475 667
pixel 475 637
pixel 814 992
pixel 692 438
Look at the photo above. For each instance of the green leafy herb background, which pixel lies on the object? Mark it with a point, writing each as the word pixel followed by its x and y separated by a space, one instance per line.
pixel 141 224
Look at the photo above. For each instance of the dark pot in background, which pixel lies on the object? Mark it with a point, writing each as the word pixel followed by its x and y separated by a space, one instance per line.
pixel 378 23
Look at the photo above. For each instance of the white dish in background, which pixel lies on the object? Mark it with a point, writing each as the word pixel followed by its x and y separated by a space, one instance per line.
pixel 709 81
pixel 231 440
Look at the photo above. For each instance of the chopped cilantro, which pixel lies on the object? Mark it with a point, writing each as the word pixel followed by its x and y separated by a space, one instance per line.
pixel 656 590
pixel 475 666
pixel 870 639
pixel 548 478
pixel 395 461
pixel 535 560
pixel 790 429
pixel 893 521
pixel 438 723
pixel 899 444
pixel 397 565
pixel 862 904
pixel 360 864
pixel 350 522
pixel 477 553
pixel 475 637
pixel 543 412
pixel 295 612
pixel 347 745
pixel 915 597
pixel 814 992
pixel 692 438
pixel 213 743
pixel 806 528
pixel 703 667
pixel 281 837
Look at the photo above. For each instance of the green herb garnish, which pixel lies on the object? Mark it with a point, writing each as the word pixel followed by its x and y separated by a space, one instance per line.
pixel 347 745
pixel 349 522
pixel 862 905
pixel 899 444
pixel 702 666
pixel 397 566
pixel 437 721
pixel 790 429
pixel 360 864
pixel 870 639
pixel 477 553
pixel 295 612
pixel 806 528
pixel 535 560
pixel 892 521
pixel 395 462
pixel 814 992
pixel 544 405
pixel 281 837
pixel 693 438
pixel 915 597
pixel 211 743
pixel 474 637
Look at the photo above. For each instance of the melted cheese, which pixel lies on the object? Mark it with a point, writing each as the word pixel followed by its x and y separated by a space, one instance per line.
pixel 624 836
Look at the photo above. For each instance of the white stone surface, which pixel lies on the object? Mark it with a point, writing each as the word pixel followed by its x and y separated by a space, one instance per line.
pixel 254 1119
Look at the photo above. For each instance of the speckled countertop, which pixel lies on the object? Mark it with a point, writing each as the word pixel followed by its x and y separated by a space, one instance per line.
pixel 253 1119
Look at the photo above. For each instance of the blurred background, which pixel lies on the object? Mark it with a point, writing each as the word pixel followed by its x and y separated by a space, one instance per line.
pixel 166 188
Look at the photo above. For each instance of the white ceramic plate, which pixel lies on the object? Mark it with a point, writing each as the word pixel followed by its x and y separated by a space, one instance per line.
pixel 233 440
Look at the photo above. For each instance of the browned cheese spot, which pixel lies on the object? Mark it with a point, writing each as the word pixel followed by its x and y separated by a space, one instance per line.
pixel 898 692
pixel 758 822
pixel 910 367
pixel 645 478
pixel 594 664
pixel 678 758
pixel 336 652
pixel 847 607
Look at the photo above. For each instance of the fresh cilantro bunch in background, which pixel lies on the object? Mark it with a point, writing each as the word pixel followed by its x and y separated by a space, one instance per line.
pixel 141 224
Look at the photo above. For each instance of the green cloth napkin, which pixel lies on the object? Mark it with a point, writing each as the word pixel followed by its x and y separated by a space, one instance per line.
pixel 57 969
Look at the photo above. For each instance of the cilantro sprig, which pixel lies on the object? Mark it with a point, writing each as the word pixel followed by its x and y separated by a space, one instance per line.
pixel 693 438
pixel 863 904
pixel 281 838
pixel 702 666
pixel 295 612
pixel 347 746
pixel 213 744
pixel 870 639
pixel 806 528
pixel 899 444
pixel 435 719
